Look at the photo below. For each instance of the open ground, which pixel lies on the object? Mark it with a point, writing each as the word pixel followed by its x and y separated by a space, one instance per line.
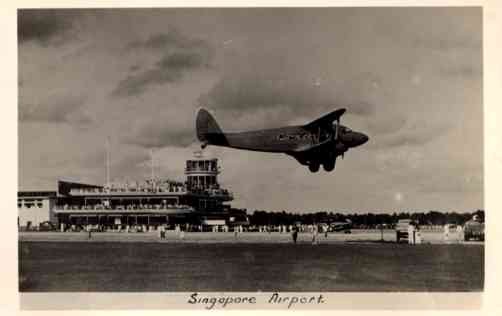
pixel 251 262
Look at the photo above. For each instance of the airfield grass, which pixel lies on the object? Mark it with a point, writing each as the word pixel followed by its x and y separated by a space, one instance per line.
pixel 216 267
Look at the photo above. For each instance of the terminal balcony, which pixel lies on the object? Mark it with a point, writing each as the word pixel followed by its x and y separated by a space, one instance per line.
pixel 221 194
pixel 128 191
pixel 199 170
pixel 122 209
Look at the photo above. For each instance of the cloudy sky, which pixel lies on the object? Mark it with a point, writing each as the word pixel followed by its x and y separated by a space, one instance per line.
pixel 411 79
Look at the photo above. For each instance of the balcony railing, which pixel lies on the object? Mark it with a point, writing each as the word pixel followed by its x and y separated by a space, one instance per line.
pixel 221 193
pixel 202 170
pixel 104 191
pixel 124 208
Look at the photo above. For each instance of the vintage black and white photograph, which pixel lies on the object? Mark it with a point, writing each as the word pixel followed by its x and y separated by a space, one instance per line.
pixel 256 150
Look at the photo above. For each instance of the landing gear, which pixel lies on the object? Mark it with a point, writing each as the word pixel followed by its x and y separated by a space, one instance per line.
pixel 314 166
pixel 329 165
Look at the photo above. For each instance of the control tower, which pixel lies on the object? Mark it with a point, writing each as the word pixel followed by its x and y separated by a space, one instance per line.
pixel 202 173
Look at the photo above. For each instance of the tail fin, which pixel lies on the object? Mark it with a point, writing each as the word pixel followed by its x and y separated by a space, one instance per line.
pixel 206 125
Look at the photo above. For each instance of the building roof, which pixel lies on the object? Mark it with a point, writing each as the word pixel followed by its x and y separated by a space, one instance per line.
pixel 64 187
pixel 36 194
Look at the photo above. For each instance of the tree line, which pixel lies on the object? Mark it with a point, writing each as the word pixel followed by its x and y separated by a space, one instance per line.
pixel 369 220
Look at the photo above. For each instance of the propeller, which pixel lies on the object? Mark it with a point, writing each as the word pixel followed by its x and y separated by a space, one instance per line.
pixel 337 134
pixel 337 127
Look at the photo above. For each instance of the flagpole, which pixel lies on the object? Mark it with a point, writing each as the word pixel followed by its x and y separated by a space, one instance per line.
pixel 108 161
pixel 152 164
pixel 153 168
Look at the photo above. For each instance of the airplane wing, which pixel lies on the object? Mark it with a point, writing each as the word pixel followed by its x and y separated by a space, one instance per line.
pixel 326 119
pixel 313 148
pixel 307 152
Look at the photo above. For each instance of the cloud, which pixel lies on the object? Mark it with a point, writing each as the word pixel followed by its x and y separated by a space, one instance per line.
pixel 172 39
pixel 397 130
pixel 133 68
pixel 412 137
pixel 55 109
pixel 169 69
pixel 135 84
pixel 183 55
pixel 462 71
pixel 179 61
pixel 440 43
pixel 460 181
pixel 292 96
pixel 44 26
pixel 388 124
pixel 95 159
pixel 158 136
pixel 170 126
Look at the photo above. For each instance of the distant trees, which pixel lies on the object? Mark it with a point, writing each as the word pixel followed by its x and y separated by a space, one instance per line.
pixel 369 220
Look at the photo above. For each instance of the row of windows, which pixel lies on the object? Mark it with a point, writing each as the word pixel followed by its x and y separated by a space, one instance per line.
pixel 309 136
pixel 36 194
pixel 304 136
pixel 202 164
pixel 201 179
pixel 30 200
pixel 30 205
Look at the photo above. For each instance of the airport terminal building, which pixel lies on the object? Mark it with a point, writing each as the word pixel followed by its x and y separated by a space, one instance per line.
pixel 199 203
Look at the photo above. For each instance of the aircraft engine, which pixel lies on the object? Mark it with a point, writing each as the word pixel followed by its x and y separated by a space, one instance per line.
pixel 346 138
pixel 340 148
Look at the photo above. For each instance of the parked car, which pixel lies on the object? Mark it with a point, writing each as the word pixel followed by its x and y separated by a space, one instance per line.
pixel 402 228
pixel 474 229
pixel 46 227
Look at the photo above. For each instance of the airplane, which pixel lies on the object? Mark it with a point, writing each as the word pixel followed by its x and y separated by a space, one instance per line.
pixel 318 142
pixel 341 226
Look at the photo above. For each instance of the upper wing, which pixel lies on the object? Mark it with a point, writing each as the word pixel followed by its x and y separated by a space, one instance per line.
pixel 326 119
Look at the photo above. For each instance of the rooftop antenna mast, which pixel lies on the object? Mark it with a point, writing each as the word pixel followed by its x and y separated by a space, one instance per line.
pixel 152 164
pixel 153 168
pixel 107 162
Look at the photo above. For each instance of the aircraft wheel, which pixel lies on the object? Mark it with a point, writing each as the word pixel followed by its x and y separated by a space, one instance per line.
pixel 329 166
pixel 314 167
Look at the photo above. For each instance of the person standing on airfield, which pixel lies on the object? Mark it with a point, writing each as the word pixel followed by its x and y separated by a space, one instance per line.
pixel 294 234
pixel 162 232
pixel 314 235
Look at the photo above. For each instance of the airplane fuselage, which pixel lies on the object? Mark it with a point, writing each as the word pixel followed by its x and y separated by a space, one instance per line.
pixel 288 139
pixel 276 140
